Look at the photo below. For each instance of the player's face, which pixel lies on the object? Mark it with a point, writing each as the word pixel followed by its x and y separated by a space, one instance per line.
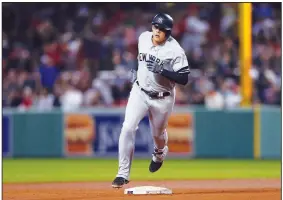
pixel 159 35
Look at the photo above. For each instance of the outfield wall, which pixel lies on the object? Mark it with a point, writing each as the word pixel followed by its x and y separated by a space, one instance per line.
pixel 270 132
pixel 226 134
pixel 193 133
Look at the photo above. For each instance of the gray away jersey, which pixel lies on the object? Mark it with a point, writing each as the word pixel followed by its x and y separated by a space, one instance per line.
pixel 170 55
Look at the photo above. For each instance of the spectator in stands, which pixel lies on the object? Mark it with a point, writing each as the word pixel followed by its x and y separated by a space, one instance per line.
pixel 27 100
pixel 15 98
pixel 229 17
pixel 44 101
pixel 91 45
pixel 48 72
pixel 196 30
pixel 231 94
pixel 214 99
pixel 72 98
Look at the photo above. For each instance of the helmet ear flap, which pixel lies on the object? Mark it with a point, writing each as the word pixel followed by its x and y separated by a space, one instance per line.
pixel 167 34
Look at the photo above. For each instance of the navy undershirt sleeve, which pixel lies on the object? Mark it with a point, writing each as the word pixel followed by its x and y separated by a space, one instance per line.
pixel 178 77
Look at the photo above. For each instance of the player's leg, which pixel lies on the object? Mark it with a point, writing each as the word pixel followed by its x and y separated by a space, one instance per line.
pixel 158 121
pixel 135 111
pixel 158 128
pixel 158 115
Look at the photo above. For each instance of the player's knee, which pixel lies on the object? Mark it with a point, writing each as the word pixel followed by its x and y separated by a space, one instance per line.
pixel 127 128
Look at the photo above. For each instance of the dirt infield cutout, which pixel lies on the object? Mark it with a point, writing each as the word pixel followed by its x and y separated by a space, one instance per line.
pixel 257 189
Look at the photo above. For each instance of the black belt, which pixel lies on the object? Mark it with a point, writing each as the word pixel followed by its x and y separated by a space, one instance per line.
pixel 154 95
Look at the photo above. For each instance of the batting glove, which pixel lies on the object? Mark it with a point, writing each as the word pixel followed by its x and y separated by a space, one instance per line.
pixel 154 67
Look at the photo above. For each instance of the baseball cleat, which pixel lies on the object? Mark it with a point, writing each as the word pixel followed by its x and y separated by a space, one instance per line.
pixel 154 166
pixel 119 182
pixel 158 157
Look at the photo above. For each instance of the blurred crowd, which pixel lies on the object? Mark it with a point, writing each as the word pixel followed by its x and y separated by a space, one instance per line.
pixel 72 55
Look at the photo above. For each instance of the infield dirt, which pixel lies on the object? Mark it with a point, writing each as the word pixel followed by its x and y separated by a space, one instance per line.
pixel 256 189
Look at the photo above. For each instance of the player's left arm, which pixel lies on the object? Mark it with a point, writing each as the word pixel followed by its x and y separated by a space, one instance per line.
pixel 180 70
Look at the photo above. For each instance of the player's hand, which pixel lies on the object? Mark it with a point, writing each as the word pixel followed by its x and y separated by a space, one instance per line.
pixel 154 67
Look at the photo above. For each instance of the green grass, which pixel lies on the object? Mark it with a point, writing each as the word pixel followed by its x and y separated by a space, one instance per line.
pixel 57 170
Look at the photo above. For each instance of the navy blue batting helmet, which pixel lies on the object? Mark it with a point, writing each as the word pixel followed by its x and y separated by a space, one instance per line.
pixel 164 21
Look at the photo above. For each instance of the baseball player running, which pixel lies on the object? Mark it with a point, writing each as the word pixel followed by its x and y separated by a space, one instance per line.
pixel 162 63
